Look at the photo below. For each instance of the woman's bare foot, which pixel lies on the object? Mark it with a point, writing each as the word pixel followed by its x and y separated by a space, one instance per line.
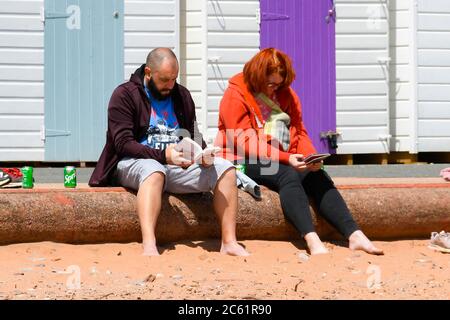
pixel 150 250
pixel 359 241
pixel 233 249
pixel 315 245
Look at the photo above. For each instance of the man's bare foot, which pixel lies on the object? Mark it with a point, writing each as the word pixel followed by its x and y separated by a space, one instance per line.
pixel 359 241
pixel 150 250
pixel 233 249
pixel 315 245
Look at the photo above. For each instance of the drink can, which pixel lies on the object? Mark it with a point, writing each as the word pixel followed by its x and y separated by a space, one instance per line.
pixel 70 177
pixel 27 179
pixel 242 168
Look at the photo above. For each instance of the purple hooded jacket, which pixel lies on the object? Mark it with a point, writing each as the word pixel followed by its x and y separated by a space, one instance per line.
pixel 128 121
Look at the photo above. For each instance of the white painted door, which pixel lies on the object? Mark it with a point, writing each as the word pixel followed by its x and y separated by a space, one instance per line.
pixel 402 75
pixel 362 58
pixel 433 87
pixel 21 81
pixel 233 39
pixel 149 24
pixel 193 56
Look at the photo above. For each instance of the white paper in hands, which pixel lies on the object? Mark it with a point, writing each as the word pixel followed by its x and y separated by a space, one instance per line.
pixel 193 151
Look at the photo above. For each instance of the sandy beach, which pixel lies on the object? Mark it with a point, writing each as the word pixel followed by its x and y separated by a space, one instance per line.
pixel 195 270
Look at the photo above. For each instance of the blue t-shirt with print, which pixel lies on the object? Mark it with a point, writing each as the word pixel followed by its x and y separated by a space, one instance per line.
pixel 163 130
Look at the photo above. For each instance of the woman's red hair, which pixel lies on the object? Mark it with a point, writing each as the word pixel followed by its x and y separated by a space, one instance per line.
pixel 264 64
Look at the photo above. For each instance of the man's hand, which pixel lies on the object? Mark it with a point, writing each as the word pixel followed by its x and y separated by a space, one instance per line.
pixel 208 161
pixel 315 166
pixel 296 161
pixel 174 157
pixel 209 155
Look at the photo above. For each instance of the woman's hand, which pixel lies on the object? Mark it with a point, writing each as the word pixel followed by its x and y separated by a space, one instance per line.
pixel 315 166
pixel 296 161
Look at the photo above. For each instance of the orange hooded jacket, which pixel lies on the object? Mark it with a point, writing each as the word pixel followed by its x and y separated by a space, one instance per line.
pixel 240 133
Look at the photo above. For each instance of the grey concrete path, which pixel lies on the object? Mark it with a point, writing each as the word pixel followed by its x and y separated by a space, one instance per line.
pixel 55 175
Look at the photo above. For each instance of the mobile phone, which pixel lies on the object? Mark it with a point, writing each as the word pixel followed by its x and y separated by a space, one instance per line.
pixel 314 158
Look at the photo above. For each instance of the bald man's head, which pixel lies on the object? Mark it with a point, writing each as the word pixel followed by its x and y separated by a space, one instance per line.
pixel 160 56
pixel 161 72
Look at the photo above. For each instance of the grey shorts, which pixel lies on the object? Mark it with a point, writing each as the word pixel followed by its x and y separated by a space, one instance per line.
pixel 131 173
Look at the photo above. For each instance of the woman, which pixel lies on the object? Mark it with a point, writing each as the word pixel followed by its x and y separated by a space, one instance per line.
pixel 255 110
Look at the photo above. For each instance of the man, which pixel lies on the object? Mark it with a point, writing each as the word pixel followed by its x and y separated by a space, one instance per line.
pixel 145 118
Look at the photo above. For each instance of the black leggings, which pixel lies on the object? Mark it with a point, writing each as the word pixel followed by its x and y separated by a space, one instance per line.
pixel 294 188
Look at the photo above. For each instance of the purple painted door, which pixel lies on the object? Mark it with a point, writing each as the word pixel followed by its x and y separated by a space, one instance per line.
pixel 305 30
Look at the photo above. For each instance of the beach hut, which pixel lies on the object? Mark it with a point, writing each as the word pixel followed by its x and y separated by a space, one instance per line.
pixel 373 75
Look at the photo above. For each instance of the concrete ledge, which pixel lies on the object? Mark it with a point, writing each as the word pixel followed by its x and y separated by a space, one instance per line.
pixel 89 215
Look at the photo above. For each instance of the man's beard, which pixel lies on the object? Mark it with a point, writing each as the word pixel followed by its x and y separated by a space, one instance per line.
pixel 156 93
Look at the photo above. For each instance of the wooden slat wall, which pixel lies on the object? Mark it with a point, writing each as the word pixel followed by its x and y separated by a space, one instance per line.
pixel 21 80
